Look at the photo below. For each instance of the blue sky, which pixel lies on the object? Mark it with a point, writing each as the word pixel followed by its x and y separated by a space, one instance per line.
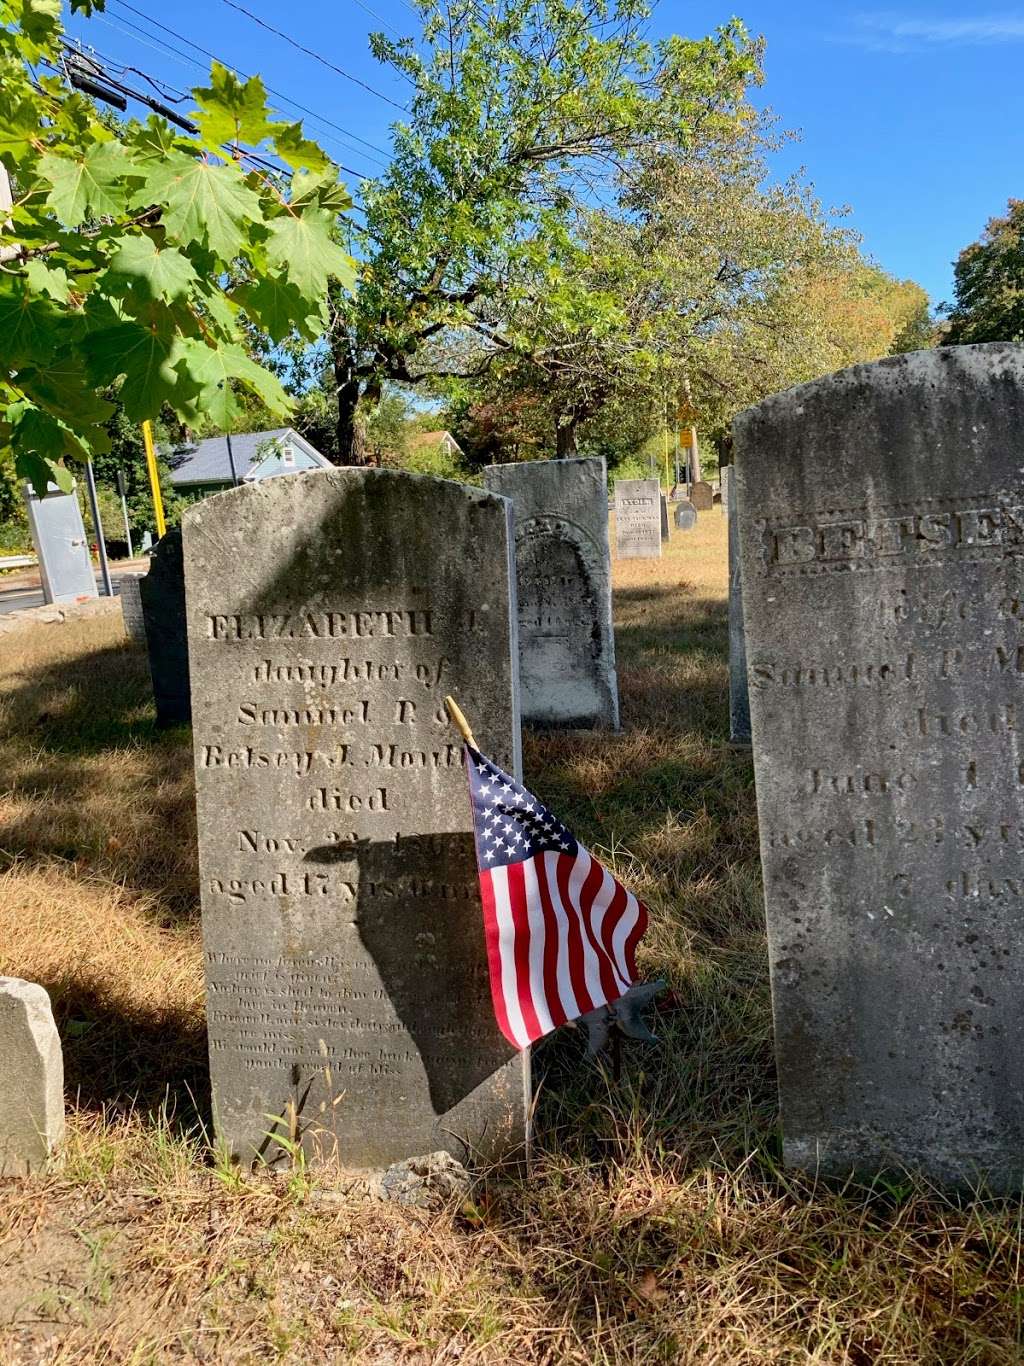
pixel 913 115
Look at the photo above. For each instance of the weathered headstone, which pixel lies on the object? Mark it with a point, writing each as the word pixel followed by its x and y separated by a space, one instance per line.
pixel 685 516
pixel 701 496
pixel 726 480
pixel 881 518
pixel 347 984
pixel 637 518
pixel 665 532
pixel 31 1078
pixel 130 593
pixel 563 572
pixel 163 608
pixel 739 692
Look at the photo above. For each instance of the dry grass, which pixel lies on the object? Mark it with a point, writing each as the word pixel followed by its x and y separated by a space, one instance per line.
pixel 656 1226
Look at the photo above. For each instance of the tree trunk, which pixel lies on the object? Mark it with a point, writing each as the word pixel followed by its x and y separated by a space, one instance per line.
pixel 565 439
pixel 346 381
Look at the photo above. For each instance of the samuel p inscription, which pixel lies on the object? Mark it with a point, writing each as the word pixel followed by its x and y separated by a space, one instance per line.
pixel 347 984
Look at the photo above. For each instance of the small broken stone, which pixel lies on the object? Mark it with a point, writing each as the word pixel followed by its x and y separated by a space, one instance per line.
pixel 426 1182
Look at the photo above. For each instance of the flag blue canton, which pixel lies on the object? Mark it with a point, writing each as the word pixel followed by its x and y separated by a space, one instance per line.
pixel 511 824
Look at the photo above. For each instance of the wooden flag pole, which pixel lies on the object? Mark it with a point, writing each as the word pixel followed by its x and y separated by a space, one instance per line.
pixel 455 712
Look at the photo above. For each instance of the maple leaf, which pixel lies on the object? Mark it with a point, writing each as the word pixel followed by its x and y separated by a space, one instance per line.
pixel 147 357
pixel 213 368
pixel 301 246
pixel 87 186
pixel 230 110
pixel 297 151
pixel 139 266
pixel 276 305
pixel 201 200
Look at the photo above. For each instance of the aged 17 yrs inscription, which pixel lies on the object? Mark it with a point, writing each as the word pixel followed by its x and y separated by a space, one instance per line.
pixel 882 529
pixel 347 987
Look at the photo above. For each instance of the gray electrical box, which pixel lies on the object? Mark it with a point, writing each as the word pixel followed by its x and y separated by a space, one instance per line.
pixel 58 534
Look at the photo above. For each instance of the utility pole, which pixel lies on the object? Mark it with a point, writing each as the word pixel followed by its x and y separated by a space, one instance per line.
pixel 231 461
pixel 90 480
pixel 122 489
pixel 154 479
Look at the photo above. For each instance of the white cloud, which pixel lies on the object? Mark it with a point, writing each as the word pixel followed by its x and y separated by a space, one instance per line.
pixel 894 32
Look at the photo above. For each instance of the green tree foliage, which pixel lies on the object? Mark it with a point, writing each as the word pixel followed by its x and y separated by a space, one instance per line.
pixel 988 284
pixel 521 114
pixel 137 257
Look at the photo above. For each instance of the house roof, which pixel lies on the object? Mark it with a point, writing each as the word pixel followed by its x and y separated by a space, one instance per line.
pixel 207 461
pixel 432 439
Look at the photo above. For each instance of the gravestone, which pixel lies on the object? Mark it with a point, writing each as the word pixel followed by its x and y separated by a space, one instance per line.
pixel 881 518
pixel 31 1078
pixel 130 593
pixel 163 608
pixel 346 971
pixel 685 516
pixel 637 518
pixel 726 480
pixel 701 496
pixel 664 518
pixel 563 574
pixel 739 694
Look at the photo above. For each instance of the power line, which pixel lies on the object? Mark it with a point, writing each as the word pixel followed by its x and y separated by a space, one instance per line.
pixel 315 55
pixel 185 58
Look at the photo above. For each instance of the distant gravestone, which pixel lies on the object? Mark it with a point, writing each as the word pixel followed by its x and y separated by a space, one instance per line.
pixel 130 593
pixel 882 533
pixel 665 532
pixel 739 692
pixel 31 1078
pixel 726 480
pixel 163 607
pixel 685 516
pixel 348 993
pixel 637 518
pixel 563 572
pixel 701 496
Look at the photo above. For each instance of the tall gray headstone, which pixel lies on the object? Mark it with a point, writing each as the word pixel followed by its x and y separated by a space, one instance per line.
pixel 347 983
pixel 563 576
pixel 665 532
pixel 31 1078
pixel 739 691
pixel 130 593
pixel 637 518
pixel 882 533
pixel 163 609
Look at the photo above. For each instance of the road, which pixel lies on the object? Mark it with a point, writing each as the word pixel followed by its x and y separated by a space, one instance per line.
pixel 18 591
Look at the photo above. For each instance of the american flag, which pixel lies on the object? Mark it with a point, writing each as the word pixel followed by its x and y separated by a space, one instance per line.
pixel 561 931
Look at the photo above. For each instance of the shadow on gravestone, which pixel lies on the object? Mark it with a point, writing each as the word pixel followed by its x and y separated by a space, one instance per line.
pixel 163 607
pixel 340 900
pixel 431 954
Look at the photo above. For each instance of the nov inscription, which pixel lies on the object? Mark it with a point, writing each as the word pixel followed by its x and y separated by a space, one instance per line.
pixel 563 571
pixel 882 544
pixel 347 985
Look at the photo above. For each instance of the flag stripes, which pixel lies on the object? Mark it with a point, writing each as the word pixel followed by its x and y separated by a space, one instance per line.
pixel 561 932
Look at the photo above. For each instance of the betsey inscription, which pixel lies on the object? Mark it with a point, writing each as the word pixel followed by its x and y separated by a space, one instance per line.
pixel 341 914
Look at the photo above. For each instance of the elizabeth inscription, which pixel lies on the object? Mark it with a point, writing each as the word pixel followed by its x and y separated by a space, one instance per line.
pixel 882 540
pixel 346 971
